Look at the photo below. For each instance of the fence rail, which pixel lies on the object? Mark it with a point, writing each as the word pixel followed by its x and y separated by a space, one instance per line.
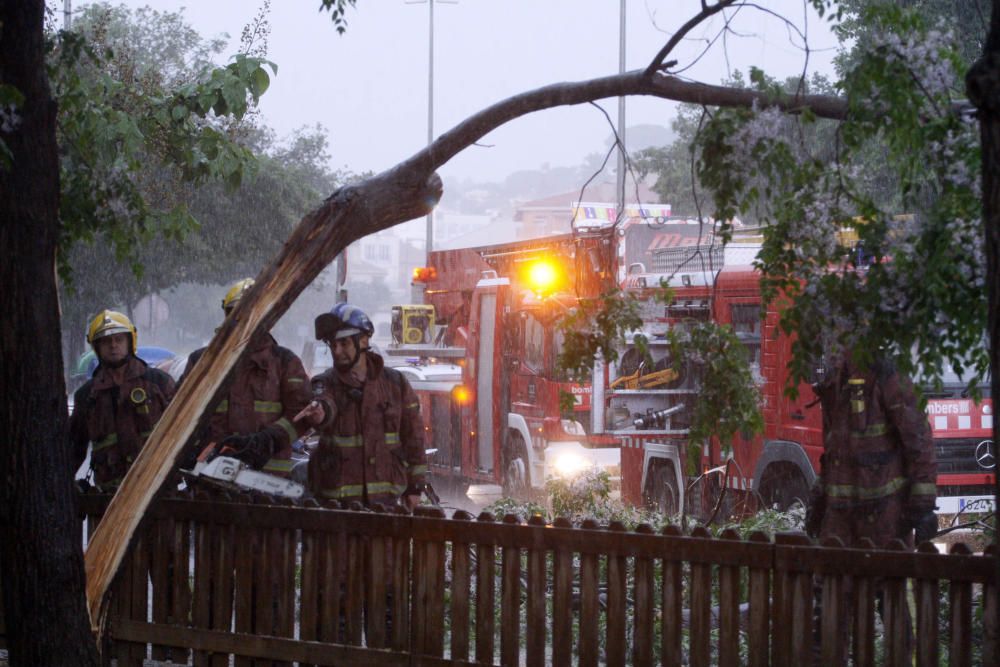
pixel 208 579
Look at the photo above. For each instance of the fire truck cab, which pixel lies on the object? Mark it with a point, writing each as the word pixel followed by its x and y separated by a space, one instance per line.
pixel 496 310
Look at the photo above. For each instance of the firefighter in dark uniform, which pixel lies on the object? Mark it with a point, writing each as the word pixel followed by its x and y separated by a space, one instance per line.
pixel 371 446
pixel 115 411
pixel 877 473
pixel 253 422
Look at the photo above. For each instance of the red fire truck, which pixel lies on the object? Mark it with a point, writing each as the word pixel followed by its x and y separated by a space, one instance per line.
pixel 495 309
pixel 782 464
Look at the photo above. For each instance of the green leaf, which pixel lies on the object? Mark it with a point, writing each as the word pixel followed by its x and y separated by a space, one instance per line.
pixel 259 82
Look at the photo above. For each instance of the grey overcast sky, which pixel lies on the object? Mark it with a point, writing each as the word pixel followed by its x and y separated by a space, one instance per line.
pixel 368 87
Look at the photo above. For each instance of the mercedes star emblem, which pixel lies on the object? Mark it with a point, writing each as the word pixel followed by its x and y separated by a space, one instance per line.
pixel 984 455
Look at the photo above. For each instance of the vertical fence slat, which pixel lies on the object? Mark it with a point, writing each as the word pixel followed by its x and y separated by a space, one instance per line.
pixel 485 596
pixel 896 620
pixel 333 564
pixel 642 623
pixel 536 616
pixel 141 560
pixel 562 602
pixel 283 595
pixel 160 577
pixel 831 619
pixel 928 601
pixel 401 593
pixel 960 616
pixel 243 588
pixel 354 604
pixel 434 621
pixel 222 587
pixel 180 583
pixel 121 602
pixel 419 618
pixel 802 616
pixel 510 601
pixel 309 601
pixel 700 603
pixel 201 599
pixel 617 590
pixel 759 635
pixel 264 584
pixel 589 610
pixel 375 595
pixel 673 600
pixel 781 613
pixel 729 608
pixel 991 616
pixel 864 622
pixel 460 584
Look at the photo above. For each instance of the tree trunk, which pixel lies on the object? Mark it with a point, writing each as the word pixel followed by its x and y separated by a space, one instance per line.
pixel 41 557
pixel 983 86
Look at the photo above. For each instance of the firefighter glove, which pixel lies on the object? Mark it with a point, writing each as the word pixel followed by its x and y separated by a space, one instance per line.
pixel 925 526
pixel 254 449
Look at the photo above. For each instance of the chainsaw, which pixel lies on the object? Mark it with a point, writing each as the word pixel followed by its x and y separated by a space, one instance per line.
pixel 234 475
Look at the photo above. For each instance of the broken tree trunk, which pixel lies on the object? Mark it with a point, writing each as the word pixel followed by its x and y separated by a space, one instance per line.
pixel 350 213
pixel 402 193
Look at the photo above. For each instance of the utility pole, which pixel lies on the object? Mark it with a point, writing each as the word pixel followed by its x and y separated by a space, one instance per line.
pixel 429 244
pixel 597 381
pixel 67 14
pixel 620 181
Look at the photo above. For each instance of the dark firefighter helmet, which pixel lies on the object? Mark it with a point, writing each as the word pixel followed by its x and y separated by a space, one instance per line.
pixel 342 321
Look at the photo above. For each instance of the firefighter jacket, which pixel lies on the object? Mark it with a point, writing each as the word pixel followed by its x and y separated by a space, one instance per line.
pixel 115 419
pixel 371 446
pixel 267 389
pixel 878 468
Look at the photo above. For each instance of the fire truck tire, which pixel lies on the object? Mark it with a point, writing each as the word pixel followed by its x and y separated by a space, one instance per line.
pixel 661 491
pixel 783 486
pixel 516 479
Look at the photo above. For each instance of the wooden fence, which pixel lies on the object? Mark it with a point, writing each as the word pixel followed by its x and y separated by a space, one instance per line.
pixel 209 579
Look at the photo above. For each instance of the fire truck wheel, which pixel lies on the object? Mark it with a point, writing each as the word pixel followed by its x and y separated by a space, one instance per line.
pixel 782 486
pixel 661 490
pixel 516 481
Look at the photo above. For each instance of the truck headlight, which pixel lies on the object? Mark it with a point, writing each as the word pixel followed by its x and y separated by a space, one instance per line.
pixel 570 464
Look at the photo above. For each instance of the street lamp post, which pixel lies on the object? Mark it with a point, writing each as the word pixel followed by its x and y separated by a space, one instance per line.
pixel 429 244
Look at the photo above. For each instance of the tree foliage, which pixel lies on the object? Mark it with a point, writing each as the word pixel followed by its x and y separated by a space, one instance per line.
pixel 192 189
pixel 901 177
pixel 728 400
pixel 139 118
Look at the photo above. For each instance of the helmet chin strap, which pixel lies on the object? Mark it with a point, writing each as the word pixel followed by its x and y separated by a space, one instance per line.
pixel 116 364
pixel 357 354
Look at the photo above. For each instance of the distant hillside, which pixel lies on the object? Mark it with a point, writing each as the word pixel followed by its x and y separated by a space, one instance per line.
pixel 472 197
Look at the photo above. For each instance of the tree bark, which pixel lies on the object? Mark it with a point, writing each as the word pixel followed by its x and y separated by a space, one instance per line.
pixel 983 87
pixel 41 557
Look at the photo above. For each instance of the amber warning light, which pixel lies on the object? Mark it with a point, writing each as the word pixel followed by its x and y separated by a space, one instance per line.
pixel 542 277
pixel 461 394
pixel 424 274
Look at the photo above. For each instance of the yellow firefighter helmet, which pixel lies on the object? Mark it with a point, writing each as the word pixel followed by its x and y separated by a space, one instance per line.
pixel 108 323
pixel 235 293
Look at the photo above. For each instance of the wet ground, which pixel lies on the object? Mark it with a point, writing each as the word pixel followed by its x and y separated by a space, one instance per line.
pixel 471 499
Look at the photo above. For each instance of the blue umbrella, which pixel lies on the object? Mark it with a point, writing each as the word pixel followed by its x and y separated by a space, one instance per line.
pixel 151 354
